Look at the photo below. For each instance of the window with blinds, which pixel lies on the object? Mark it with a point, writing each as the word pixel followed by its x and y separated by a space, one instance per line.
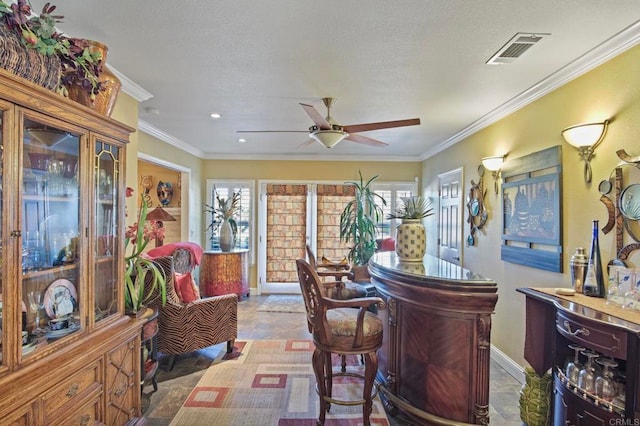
pixel 392 193
pixel 225 189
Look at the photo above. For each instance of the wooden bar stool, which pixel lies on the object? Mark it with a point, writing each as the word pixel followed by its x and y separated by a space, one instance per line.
pixel 337 328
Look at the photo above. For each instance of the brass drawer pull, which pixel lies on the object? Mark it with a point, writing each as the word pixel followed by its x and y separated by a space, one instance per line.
pixel 84 420
pixel 73 390
pixel 583 331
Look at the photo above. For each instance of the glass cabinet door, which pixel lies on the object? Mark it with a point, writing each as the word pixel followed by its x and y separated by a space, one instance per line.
pixel 51 243
pixel 106 226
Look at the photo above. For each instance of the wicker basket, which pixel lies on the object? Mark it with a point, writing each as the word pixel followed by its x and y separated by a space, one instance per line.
pixel 27 63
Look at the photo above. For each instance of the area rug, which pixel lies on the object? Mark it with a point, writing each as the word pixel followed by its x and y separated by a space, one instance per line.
pixel 271 382
pixel 282 303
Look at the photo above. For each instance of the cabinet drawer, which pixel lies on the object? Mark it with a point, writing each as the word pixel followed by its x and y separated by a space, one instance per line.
pixel 87 415
pixel 72 389
pixel 594 335
pixel 24 416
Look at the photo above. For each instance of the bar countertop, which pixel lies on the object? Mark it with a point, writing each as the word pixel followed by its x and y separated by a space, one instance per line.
pixel 432 271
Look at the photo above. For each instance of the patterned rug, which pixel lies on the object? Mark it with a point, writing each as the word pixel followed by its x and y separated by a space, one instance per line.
pixel 271 382
pixel 282 303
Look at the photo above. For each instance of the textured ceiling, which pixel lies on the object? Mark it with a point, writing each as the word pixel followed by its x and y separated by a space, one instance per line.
pixel 255 61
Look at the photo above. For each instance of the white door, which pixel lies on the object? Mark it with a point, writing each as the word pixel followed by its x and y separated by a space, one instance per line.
pixel 450 232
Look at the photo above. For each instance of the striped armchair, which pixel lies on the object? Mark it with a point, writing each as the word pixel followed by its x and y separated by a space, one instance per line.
pixel 187 327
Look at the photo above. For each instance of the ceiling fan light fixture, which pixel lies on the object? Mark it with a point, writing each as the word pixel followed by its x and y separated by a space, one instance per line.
pixel 328 138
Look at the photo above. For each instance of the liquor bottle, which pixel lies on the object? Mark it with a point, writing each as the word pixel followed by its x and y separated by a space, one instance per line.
pixel 594 280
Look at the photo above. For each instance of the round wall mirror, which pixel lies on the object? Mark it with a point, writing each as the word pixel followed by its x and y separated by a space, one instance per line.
pixel 630 202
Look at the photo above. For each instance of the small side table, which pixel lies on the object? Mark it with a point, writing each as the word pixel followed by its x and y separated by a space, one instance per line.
pixel 225 273
pixel 149 349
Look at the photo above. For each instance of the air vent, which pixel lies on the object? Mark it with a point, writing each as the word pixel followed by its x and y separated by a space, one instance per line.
pixel 515 47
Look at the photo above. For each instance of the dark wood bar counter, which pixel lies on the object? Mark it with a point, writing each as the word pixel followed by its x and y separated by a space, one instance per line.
pixel 434 362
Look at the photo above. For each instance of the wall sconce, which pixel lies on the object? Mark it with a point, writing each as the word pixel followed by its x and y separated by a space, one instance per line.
pixel 586 138
pixel 494 164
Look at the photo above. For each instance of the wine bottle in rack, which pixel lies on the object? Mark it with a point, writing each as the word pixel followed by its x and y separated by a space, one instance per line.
pixel 594 279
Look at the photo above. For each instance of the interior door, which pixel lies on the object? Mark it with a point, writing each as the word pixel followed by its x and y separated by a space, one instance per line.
pixel 450 232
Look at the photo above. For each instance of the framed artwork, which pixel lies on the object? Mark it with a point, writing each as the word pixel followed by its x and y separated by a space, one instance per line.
pixel 532 211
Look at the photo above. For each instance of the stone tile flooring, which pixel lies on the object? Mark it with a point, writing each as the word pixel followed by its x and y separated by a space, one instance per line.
pixel 174 386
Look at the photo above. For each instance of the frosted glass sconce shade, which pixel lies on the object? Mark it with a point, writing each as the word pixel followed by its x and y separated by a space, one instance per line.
pixel 586 138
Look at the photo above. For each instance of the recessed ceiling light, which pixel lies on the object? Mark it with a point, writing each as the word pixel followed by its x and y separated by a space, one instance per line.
pixel 215 115
pixel 242 140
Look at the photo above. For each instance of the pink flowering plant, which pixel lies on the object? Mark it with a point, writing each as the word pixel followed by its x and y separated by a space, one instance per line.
pixel 143 277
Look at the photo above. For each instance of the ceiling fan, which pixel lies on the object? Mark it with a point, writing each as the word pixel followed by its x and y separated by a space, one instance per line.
pixel 329 133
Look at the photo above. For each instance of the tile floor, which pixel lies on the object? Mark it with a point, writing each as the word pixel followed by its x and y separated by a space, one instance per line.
pixel 174 387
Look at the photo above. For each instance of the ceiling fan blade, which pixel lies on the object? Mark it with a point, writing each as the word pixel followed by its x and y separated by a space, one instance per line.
pixel 307 143
pixel 365 140
pixel 356 128
pixel 272 131
pixel 316 117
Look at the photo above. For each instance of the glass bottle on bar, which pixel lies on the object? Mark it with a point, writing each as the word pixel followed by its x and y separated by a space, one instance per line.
pixel 594 280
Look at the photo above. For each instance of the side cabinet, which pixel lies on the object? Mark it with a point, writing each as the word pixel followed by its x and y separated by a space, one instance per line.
pixel 553 324
pixel 225 273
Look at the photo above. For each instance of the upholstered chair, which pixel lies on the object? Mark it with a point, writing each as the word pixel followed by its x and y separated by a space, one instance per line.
pixel 189 326
pixel 337 328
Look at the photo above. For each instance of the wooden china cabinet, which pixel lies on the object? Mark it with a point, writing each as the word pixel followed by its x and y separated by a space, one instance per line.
pixel 68 353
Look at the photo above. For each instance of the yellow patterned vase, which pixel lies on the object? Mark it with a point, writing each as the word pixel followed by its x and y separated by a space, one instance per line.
pixel 411 240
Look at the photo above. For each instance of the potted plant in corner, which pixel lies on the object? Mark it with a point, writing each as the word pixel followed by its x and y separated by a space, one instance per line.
pixel 411 239
pixel 143 277
pixel 358 226
pixel 223 219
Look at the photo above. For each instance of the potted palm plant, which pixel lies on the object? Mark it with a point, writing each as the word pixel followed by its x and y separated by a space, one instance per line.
pixel 223 219
pixel 411 239
pixel 144 279
pixel 358 225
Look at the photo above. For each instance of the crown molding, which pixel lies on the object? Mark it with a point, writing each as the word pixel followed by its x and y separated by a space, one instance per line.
pixel 624 40
pixel 147 128
pixel 130 88
pixel 310 157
